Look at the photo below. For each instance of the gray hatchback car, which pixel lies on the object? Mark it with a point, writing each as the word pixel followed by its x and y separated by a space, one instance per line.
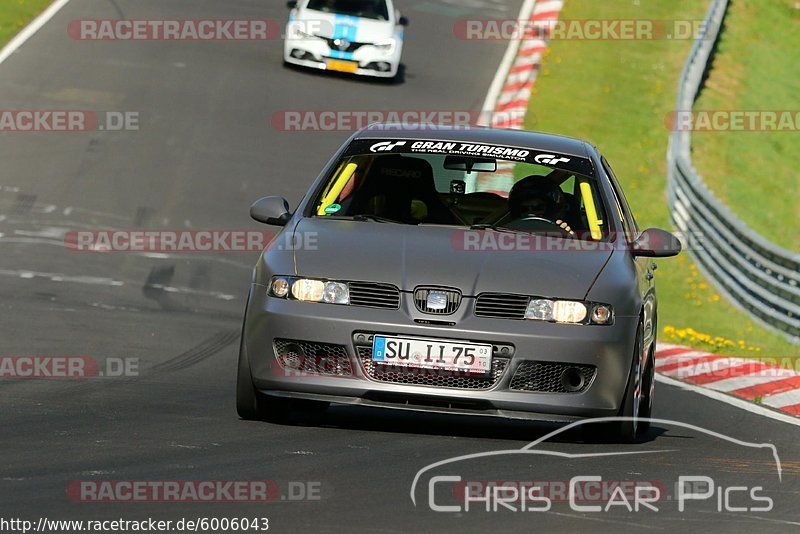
pixel 468 271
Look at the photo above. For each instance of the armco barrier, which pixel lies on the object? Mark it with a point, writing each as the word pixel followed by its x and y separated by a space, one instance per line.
pixel 757 275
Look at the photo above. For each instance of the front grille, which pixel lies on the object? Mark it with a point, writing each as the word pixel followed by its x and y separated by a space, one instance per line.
pixel 501 306
pixel 374 295
pixel 548 377
pixel 312 358
pixel 450 299
pixel 430 377
pixel 351 47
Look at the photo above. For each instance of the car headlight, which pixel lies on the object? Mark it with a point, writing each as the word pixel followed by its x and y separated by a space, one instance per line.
pixel 602 314
pixel 310 290
pixel 279 287
pixel 568 311
pixel 386 46
pixel 540 309
pixel 336 293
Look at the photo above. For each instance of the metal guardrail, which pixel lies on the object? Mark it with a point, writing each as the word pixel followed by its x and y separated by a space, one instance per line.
pixel 757 275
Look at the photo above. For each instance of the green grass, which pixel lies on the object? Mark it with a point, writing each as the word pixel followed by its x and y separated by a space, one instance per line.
pixel 16 14
pixel 756 68
pixel 617 94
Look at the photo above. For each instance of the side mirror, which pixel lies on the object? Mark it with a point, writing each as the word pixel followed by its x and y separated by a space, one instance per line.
pixel 271 210
pixel 656 243
pixel 291 4
pixel 403 21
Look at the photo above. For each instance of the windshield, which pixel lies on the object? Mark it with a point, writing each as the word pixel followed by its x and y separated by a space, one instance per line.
pixel 437 189
pixel 370 9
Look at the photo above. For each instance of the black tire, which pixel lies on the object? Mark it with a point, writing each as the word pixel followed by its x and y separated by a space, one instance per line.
pixel 310 406
pixel 628 430
pixel 399 76
pixel 648 391
pixel 251 405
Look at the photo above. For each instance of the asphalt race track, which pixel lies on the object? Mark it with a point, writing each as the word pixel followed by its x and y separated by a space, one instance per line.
pixel 204 151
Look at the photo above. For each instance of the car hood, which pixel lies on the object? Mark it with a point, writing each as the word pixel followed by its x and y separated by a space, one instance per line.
pixel 355 29
pixel 409 256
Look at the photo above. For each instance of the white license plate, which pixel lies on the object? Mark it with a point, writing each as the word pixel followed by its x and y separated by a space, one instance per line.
pixel 432 354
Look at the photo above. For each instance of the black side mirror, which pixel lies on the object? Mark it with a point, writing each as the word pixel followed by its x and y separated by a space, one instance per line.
pixel 656 243
pixel 271 210
pixel 403 21
pixel 291 4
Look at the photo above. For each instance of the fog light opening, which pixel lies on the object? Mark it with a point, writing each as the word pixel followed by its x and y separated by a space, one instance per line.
pixel 572 379
pixel 380 66
pixel 294 357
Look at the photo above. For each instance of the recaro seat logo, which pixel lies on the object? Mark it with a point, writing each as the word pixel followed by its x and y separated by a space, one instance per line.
pixel 386 146
pixel 550 159
pixel 401 173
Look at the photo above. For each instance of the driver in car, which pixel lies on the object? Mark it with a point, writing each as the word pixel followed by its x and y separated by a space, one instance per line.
pixel 537 198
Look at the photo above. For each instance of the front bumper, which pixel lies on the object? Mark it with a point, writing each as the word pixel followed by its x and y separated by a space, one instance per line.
pixel 314 53
pixel 608 348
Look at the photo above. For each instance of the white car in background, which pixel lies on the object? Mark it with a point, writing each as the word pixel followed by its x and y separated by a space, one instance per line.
pixel 363 37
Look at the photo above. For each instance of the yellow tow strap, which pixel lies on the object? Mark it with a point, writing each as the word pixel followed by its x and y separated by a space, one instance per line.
pixel 591 211
pixel 336 188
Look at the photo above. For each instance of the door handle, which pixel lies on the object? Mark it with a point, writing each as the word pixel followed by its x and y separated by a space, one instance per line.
pixel 649 275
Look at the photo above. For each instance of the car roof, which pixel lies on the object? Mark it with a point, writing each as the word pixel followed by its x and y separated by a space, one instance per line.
pixel 479 134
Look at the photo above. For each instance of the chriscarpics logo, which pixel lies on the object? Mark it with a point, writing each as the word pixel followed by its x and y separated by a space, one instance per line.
pixel 684 470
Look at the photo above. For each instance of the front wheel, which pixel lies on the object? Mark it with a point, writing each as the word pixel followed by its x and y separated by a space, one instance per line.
pixel 252 405
pixel 648 390
pixel 627 430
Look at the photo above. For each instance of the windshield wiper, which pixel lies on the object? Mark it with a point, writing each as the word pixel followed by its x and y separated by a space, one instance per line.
pixel 364 217
pixel 376 218
pixel 494 227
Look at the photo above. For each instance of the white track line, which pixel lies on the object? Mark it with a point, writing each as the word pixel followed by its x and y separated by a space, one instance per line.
pixel 685 358
pixel 717 366
pixel 505 65
pixel 779 400
pixel 739 382
pixel 29 30
pixel 733 401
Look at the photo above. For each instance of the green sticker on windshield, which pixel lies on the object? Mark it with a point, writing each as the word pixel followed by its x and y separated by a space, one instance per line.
pixel 333 208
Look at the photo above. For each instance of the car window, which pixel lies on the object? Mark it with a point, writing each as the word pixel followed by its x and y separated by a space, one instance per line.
pixel 418 189
pixel 370 9
pixel 626 215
